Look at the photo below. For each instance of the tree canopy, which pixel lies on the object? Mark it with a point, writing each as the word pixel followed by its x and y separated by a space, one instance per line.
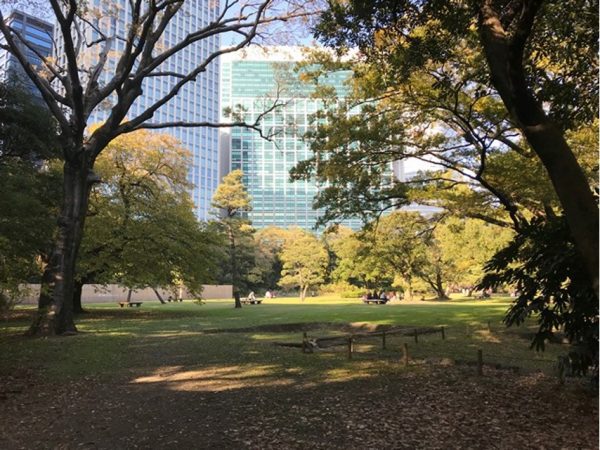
pixel 457 82
pixel 142 231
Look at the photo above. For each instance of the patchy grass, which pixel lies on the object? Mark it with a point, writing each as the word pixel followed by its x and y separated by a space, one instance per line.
pixel 115 340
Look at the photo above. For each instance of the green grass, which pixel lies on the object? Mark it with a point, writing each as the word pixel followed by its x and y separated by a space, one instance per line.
pixel 126 343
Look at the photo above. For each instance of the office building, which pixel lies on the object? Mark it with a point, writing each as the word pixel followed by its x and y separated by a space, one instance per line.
pixel 197 101
pixel 254 79
pixel 37 35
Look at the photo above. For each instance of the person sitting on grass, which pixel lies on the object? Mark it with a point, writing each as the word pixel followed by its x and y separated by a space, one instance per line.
pixel 251 297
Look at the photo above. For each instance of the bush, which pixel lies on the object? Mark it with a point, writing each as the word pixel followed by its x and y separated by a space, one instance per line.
pixel 551 284
pixel 344 290
pixel 8 299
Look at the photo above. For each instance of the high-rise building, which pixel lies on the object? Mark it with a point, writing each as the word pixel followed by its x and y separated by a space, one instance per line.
pixel 197 101
pixel 38 36
pixel 253 80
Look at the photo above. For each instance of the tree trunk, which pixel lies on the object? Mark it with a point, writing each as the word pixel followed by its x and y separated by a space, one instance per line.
pixel 158 296
pixel 233 262
pixel 129 292
pixel 77 291
pixel 504 55
pixel 303 290
pixel 408 293
pixel 439 287
pixel 55 305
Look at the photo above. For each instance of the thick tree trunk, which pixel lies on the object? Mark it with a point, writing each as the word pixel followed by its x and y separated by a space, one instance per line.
pixel 504 54
pixel 408 293
pixel 77 291
pixel 440 291
pixel 55 305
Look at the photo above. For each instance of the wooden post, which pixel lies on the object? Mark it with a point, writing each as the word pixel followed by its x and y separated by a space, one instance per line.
pixel 480 362
pixel 416 336
pixel 489 326
pixel 350 346
pixel 383 340
pixel 304 342
pixel 443 333
pixel 405 354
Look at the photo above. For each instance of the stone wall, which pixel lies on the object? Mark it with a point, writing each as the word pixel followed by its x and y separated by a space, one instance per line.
pixel 93 293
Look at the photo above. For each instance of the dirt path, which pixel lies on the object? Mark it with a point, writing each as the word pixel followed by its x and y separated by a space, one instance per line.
pixel 177 408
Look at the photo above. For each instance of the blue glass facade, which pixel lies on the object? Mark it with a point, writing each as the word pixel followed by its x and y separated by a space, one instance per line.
pixel 38 35
pixel 254 81
pixel 197 101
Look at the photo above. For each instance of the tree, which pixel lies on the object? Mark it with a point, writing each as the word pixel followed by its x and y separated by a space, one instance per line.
pixel 142 231
pixel 94 73
pixel 355 263
pixel 467 245
pixel 399 243
pixel 269 245
pixel 304 261
pixel 233 201
pixel 29 184
pixel 525 68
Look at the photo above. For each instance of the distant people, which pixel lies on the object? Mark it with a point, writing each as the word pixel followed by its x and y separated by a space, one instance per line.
pixel 251 296
pixel 268 294
pixel 383 296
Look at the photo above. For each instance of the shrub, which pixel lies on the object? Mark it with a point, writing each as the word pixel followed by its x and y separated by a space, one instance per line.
pixel 551 284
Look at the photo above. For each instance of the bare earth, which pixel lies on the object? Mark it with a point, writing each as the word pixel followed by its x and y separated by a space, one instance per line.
pixel 195 408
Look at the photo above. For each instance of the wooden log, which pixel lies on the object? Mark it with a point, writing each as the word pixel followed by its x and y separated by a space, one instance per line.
pixel 480 362
pixel 405 354
pixel 442 329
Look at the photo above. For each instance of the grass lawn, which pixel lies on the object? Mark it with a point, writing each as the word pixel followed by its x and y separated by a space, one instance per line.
pixel 183 375
pixel 110 334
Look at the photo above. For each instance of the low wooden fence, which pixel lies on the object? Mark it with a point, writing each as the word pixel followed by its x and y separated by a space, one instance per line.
pixel 309 345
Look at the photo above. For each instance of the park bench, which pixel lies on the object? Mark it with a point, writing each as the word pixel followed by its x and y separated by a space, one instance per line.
pixel 376 301
pixel 247 301
pixel 130 304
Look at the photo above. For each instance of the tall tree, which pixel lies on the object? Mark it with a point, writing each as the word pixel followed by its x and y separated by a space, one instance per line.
pixel 304 260
pixel 539 59
pixel 142 231
pixel 99 69
pixel 233 201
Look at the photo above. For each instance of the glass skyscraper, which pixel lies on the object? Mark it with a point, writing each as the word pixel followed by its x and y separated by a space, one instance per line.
pixel 38 34
pixel 197 101
pixel 255 78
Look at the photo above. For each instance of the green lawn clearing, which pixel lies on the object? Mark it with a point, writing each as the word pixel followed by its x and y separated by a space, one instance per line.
pixel 115 340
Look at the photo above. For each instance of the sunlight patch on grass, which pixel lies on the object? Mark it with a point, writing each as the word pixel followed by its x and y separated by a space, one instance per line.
pixel 358 370
pixel 215 378
pixel 486 336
